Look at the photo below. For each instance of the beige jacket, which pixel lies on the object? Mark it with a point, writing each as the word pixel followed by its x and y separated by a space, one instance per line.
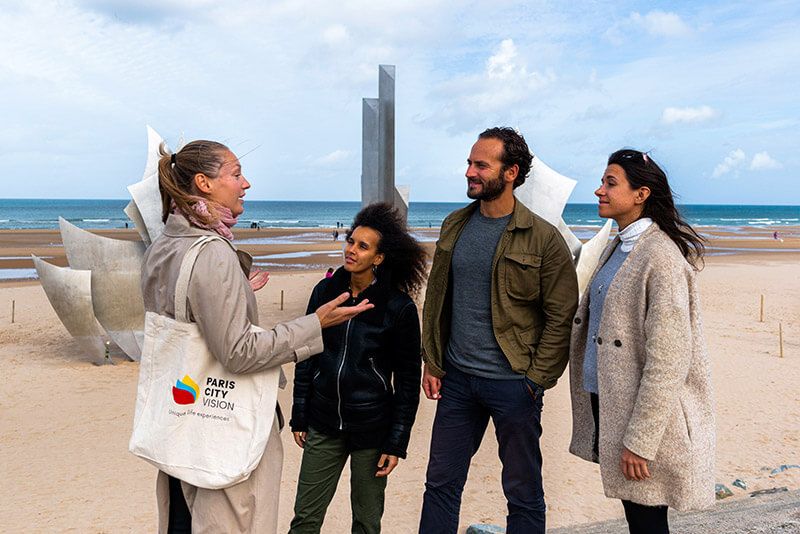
pixel 654 379
pixel 223 305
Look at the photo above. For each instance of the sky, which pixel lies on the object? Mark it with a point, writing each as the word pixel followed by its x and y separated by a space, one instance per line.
pixel 710 88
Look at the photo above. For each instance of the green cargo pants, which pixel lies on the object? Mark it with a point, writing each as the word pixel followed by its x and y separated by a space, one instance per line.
pixel 323 460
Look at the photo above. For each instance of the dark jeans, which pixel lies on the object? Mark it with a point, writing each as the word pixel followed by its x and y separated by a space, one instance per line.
pixel 462 415
pixel 642 519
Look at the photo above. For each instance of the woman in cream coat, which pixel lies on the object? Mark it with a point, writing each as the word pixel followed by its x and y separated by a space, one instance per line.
pixel 202 189
pixel 639 372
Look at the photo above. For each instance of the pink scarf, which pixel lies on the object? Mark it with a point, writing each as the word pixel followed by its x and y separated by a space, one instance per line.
pixel 223 217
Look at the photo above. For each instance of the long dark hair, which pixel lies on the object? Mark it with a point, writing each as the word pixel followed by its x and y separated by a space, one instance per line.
pixel 405 260
pixel 642 171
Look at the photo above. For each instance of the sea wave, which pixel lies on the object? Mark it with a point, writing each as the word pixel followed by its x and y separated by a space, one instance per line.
pixel 96 220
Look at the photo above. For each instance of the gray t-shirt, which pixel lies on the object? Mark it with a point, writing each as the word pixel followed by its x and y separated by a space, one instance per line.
pixel 472 347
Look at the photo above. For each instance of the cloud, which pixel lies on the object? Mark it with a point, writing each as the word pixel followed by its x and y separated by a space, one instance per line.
pixel 732 162
pixel 504 86
pixel 764 162
pixel 501 64
pixel 149 12
pixel 661 23
pixel 335 35
pixel 334 157
pixel 688 115
pixel 656 23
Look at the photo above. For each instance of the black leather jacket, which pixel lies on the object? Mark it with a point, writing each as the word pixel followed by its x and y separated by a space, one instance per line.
pixel 367 378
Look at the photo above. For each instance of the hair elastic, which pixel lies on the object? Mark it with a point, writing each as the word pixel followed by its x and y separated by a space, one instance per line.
pixel 172 159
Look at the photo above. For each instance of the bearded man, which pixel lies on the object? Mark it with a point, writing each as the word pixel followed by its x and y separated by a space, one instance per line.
pixel 496 324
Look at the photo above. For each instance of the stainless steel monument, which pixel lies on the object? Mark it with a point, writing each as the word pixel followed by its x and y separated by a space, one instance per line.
pixel 98 297
pixel 377 146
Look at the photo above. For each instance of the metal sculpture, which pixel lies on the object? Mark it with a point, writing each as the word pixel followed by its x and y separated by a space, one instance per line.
pixel 377 146
pixel 69 292
pixel 99 295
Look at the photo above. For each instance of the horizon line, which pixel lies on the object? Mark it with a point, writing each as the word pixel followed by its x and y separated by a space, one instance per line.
pixel 411 202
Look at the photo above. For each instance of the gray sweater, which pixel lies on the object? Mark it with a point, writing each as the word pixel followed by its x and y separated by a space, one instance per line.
pixel 597 297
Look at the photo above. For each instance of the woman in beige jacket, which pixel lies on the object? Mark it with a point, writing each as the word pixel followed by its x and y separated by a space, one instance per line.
pixel 639 372
pixel 202 190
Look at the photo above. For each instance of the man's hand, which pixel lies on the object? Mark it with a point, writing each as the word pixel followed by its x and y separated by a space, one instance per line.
pixel 258 278
pixel 633 466
pixel 431 385
pixel 330 314
pixel 386 465
pixel 300 438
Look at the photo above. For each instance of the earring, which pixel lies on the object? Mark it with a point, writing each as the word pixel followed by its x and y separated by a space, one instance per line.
pixel 374 270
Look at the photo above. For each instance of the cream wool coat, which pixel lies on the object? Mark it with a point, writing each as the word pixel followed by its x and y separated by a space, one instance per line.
pixel 223 305
pixel 653 377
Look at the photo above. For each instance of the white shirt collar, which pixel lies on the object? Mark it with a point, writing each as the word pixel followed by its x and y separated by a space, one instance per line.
pixel 631 233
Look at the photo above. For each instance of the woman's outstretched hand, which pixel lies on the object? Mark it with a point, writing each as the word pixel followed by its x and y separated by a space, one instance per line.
pixel 300 438
pixel 386 465
pixel 633 466
pixel 331 314
pixel 258 278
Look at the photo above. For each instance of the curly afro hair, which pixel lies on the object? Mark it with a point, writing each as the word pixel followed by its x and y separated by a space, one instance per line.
pixel 405 261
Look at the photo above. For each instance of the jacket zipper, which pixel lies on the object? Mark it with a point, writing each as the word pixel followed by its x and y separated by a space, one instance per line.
pixel 372 362
pixel 339 376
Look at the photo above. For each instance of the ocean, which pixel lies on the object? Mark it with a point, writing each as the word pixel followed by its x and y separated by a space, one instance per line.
pixel 102 214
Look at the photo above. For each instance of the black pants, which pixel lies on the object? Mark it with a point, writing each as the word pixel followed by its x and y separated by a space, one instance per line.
pixel 641 519
pixel 180 519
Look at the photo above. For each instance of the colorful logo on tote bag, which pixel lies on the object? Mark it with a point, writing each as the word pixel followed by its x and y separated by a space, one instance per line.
pixel 185 391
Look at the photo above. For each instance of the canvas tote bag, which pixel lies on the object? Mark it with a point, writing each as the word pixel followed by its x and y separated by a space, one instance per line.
pixel 195 420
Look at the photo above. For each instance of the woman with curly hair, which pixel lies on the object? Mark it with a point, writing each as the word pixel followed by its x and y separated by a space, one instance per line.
pixel 640 376
pixel 358 398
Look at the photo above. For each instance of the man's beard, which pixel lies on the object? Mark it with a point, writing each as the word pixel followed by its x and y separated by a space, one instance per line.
pixel 491 189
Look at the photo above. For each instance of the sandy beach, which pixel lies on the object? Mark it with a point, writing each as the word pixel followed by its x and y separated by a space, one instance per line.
pixel 66 423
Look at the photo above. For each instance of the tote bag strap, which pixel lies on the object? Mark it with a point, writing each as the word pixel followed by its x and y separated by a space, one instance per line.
pixel 182 285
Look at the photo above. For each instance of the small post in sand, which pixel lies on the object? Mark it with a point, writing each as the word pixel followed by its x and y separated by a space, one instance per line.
pixel 281 299
pixel 780 337
pixel 13 309
pixel 761 315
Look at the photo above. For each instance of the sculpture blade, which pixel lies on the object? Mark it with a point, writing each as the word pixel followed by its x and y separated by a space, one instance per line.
pixel 573 243
pixel 545 192
pixel 145 193
pixel 119 308
pixel 590 256
pixel 401 196
pixel 88 251
pixel 69 292
pixel 132 211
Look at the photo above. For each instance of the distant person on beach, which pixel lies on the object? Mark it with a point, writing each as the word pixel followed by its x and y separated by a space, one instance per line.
pixel 496 335
pixel 329 273
pixel 358 398
pixel 202 191
pixel 639 373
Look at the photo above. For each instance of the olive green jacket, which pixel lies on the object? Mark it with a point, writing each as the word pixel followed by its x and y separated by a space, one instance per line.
pixel 534 295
